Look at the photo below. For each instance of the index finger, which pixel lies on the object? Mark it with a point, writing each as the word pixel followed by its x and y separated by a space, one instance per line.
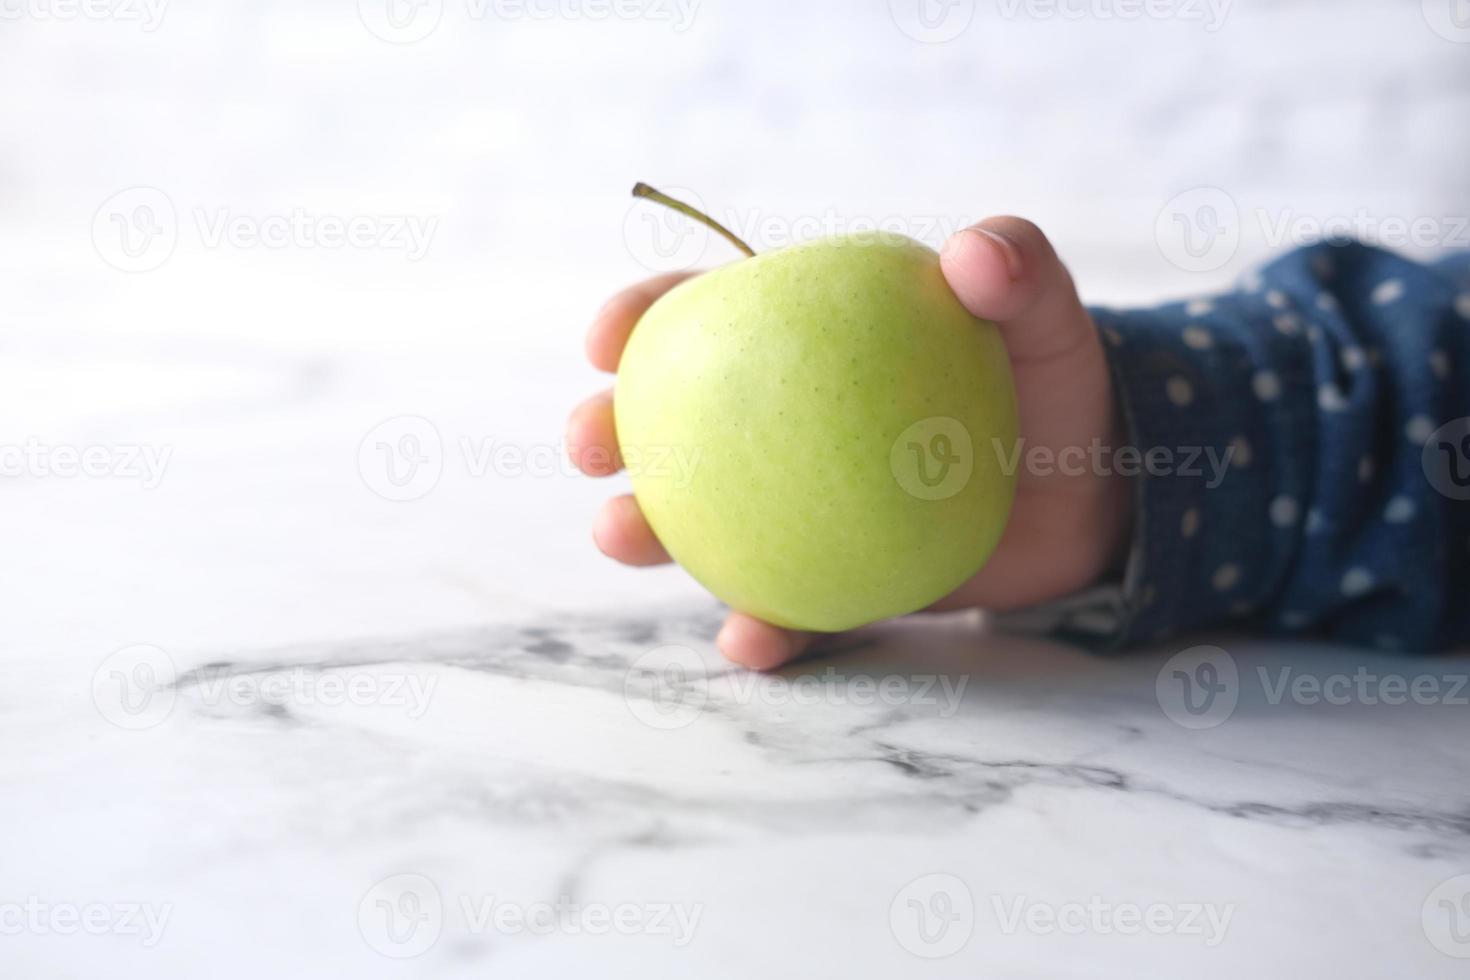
pixel 615 322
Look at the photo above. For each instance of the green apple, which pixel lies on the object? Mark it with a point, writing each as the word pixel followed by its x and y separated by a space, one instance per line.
pixel 819 434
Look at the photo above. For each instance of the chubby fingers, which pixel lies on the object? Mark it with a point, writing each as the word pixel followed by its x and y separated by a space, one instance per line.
pixel 614 323
pixel 621 532
pixel 758 645
pixel 592 436
pixel 1005 270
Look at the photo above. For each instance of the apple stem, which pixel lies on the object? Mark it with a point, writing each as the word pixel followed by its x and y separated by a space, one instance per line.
pixel 643 190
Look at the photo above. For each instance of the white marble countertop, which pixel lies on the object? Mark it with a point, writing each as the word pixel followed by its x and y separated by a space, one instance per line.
pixel 267 712
pixel 256 709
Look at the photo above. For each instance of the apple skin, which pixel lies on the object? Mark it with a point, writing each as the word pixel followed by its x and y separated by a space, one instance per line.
pixel 795 427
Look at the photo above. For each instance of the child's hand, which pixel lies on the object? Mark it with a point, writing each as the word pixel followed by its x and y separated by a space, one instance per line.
pixel 1064 531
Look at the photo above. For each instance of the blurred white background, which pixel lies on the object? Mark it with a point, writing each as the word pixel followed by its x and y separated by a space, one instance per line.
pixel 172 176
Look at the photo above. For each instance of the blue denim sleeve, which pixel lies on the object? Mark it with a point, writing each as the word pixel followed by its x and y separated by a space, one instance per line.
pixel 1305 456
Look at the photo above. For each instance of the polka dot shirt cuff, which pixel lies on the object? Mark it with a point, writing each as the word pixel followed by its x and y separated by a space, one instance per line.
pixel 1297 457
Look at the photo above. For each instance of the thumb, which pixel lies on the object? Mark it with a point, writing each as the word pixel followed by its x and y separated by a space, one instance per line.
pixel 1005 270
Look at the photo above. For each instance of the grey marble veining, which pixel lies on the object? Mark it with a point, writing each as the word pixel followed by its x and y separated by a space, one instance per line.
pixel 612 760
pixel 921 744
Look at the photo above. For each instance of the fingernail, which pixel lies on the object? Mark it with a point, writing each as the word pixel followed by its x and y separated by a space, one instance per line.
pixel 1014 266
pixel 952 243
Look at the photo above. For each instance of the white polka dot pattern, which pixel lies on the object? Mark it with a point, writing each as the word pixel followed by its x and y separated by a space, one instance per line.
pixel 1312 406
